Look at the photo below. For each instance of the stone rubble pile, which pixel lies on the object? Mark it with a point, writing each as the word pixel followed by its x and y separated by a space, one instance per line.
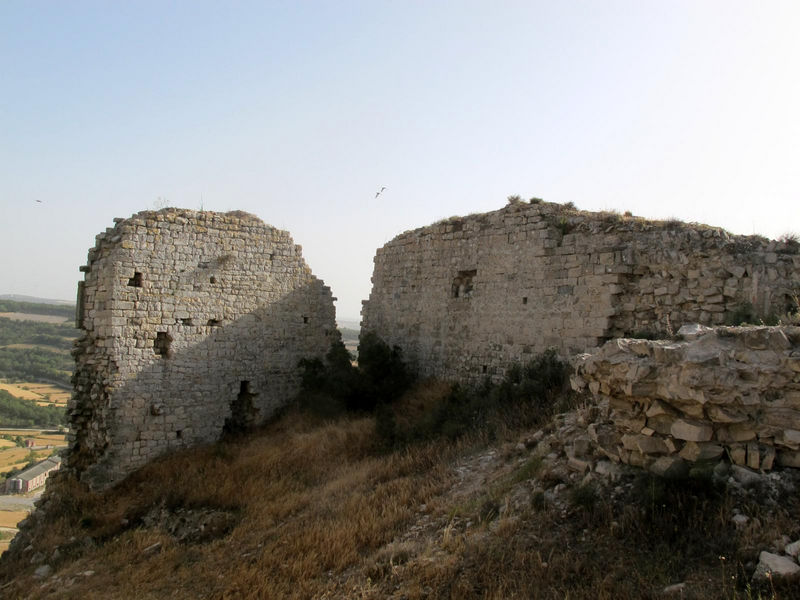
pixel 726 392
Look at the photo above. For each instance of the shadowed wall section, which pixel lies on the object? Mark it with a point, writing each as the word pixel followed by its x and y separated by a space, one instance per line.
pixel 193 323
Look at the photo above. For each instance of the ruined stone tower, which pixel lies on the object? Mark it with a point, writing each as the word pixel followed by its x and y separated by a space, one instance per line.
pixel 193 323
pixel 466 297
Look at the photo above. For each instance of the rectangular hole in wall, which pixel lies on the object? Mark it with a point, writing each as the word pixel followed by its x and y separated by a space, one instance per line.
pixel 178 433
pixel 524 299
pixel 462 284
pixel 212 279
pixel 484 368
pixel 136 280
pixel 162 344
pixel 187 322
pixel 305 319
pixel 213 323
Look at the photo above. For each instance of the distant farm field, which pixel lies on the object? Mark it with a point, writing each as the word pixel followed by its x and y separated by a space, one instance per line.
pixel 12 456
pixel 15 389
pixel 41 393
pixel 10 518
pixel 15 316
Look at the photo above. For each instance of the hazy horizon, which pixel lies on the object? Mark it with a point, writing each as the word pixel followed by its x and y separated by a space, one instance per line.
pixel 300 113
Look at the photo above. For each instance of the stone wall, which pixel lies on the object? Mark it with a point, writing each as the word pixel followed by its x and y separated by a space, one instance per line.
pixel 192 322
pixel 467 296
pixel 731 391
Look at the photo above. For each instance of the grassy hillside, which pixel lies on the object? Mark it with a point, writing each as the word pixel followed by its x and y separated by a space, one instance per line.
pixel 24 413
pixel 37 308
pixel 324 508
pixel 34 351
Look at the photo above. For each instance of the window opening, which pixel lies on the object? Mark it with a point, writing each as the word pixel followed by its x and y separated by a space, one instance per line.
pixel 136 280
pixel 462 284
pixel 213 322
pixel 524 299
pixel 162 344
pixel 243 413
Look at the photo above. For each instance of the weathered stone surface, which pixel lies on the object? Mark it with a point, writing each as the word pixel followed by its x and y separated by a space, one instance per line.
pixel 192 322
pixel 43 571
pixel 467 296
pixel 729 391
pixel 692 431
pixel 775 565
pixel 670 467
pixel 694 452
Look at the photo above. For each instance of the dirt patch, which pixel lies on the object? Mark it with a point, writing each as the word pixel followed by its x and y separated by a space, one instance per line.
pixel 191 525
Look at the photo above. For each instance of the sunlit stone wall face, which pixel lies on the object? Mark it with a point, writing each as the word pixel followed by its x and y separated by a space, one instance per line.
pixel 192 322
pixel 468 296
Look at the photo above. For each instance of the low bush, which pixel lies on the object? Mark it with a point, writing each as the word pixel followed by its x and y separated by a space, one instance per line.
pixel 527 394
pixel 335 385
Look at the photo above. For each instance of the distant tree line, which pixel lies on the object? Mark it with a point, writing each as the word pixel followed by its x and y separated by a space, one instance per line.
pixel 35 364
pixel 24 413
pixel 349 334
pixel 35 308
pixel 56 335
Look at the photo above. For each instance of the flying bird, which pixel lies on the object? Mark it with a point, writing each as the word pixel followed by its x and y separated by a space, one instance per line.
pixel 39 201
pixel 379 192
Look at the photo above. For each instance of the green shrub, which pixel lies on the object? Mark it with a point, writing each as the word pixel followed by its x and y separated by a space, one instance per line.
pixel 334 385
pixel 584 496
pixel 385 374
pixel 526 395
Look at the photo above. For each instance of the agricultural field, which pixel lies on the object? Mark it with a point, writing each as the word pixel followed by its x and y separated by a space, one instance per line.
pixel 44 394
pixel 10 518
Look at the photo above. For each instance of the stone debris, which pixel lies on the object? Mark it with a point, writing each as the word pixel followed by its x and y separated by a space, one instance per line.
pixel 191 525
pixel 42 571
pixel 793 549
pixel 676 589
pixel 776 566
pixel 729 392
pixel 152 549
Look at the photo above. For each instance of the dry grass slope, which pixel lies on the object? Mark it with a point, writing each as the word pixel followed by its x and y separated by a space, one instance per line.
pixel 317 509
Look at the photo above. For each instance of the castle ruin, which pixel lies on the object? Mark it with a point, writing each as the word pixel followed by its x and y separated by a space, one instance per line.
pixel 468 296
pixel 193 324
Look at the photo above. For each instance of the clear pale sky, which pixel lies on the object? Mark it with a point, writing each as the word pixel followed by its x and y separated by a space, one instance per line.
pixel 299 111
